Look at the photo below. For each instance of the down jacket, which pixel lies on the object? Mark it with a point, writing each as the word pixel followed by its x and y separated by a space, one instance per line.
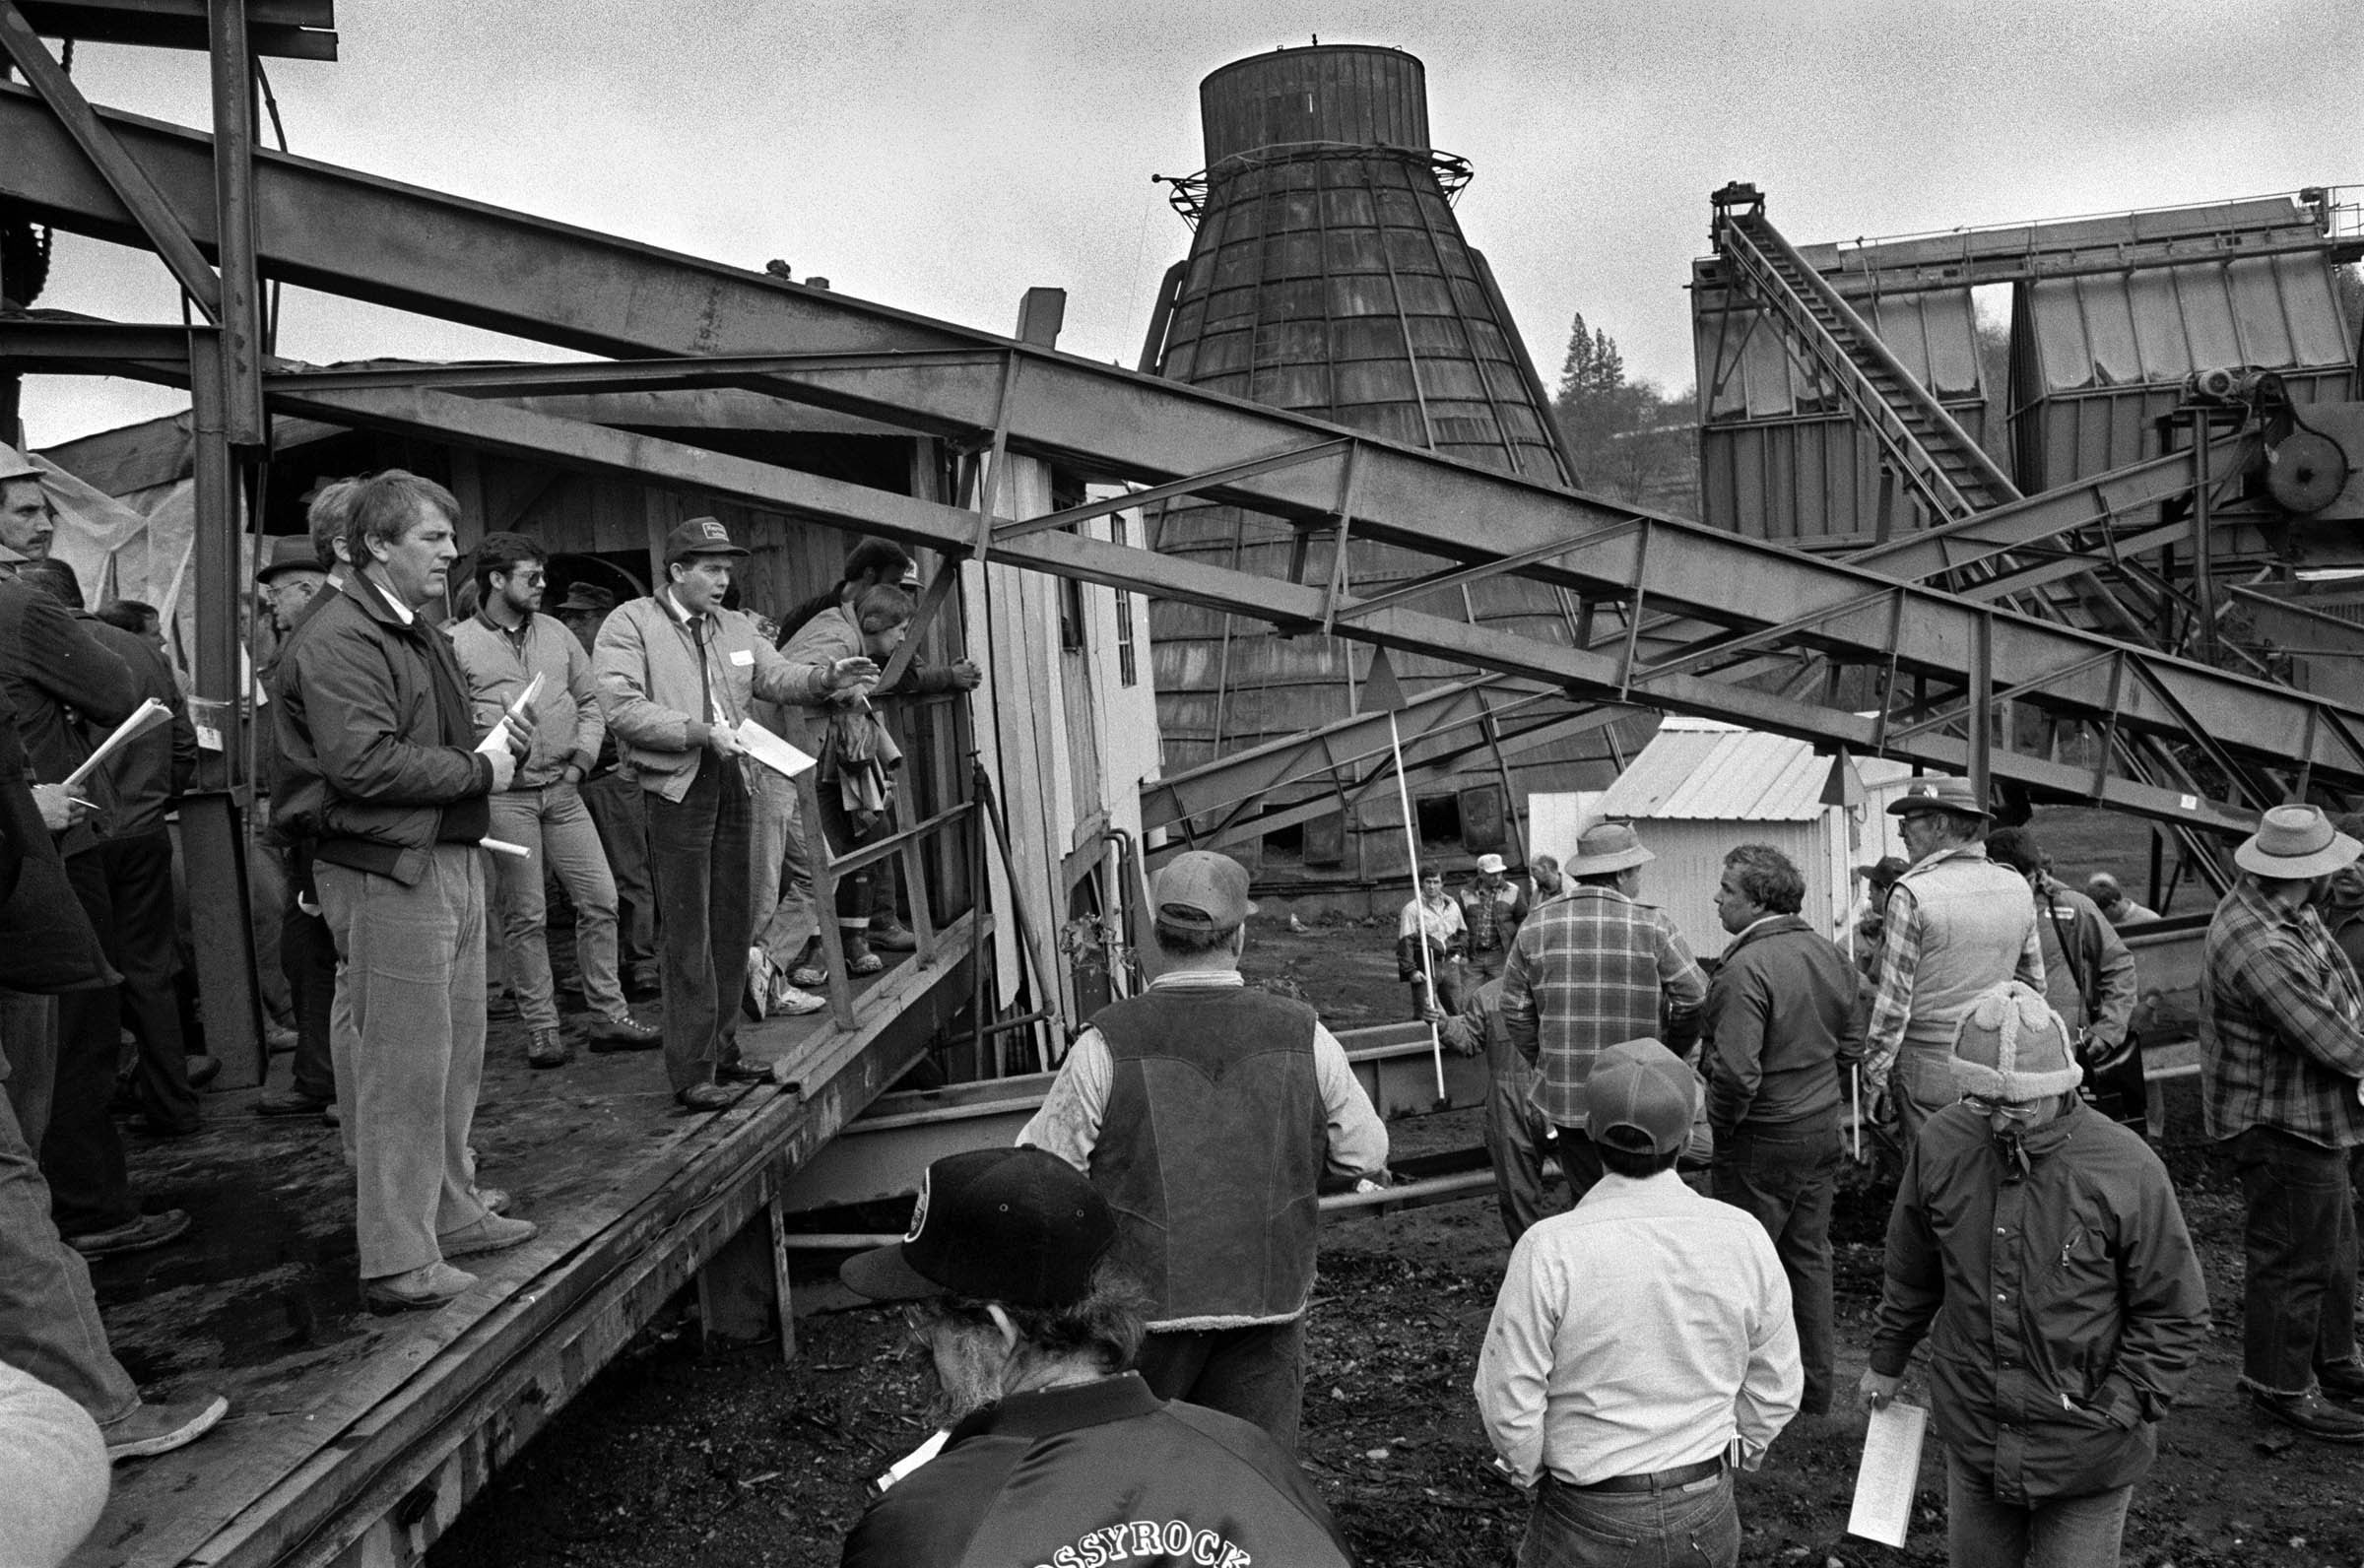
pixel 2067 1300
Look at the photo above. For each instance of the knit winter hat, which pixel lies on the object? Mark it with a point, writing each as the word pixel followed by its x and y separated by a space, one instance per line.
pixel 2011 1046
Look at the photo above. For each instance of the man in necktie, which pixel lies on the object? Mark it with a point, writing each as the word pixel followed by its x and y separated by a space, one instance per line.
pixel 675 673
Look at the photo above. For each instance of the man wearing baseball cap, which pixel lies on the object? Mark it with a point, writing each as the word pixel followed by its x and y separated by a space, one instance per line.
pixel 2281 1044
pixel 1209 1115
pixel 1491 907
pixel 1051 1451
pixel 676 673
pixel 1641 1341
pixel 1957 926
pixel 2042 1242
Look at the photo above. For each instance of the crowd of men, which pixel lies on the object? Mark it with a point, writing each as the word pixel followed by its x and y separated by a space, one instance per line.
pixel 428 754
pixel 1115 1312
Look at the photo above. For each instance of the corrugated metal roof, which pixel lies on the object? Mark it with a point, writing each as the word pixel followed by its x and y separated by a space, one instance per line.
pixel 1697 769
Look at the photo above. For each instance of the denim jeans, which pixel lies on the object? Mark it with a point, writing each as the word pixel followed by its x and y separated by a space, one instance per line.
pixel 412 984
pixel 1516 1137
pixel 780 870
pixel 1786 1179
pixel 2058 1532
pixel 857 892
pixel 56 1463
pixel 48 1319
pixel 2299 1293
pixel 1256 1373
pixel 553 822
pixel 1694 1526
pixel 697 846
pixel 619 809
pixel 28 1034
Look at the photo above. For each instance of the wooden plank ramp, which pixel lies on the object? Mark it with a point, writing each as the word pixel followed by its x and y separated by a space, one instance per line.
pixel 355 1439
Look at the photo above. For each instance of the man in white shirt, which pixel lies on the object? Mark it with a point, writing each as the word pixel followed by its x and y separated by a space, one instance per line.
pixel 1641 1342
pixel 1435 918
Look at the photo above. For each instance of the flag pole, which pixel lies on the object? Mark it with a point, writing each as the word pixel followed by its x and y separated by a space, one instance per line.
pixel 1412 843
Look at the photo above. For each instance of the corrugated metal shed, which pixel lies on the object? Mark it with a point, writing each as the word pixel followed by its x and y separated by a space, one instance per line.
pixel 1699 768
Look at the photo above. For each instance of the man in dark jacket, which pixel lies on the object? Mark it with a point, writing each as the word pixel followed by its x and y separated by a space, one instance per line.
pixel 49 1323
pixel 2043 1243
pixel 1209 1115
pixel 381 772
pixel 1054 1453
pixel 1784 1022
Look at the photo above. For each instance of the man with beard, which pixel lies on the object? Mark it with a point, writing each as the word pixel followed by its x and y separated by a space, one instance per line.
pixel 1055 1451
pixel 506 646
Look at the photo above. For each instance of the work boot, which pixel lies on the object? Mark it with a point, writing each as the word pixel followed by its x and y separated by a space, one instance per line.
pixel 706 1097
pixel 492 1233
pixel 279 1039
pixel 496 1199
pixel 429 1284
pixel 893 936
pixel 621 1034
pixel 203 1069
pixel 289 1102
pixel 148 1429
pixel 548 1048
pixel 858 959
pixel 133 1235
pixel 2311 1414
pixel 2342 1381
pixel 644 981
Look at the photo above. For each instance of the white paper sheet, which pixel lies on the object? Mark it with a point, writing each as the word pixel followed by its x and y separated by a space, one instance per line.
pixel 146 716
pixel 522 710
pixel 771 751
pixel 1891 1470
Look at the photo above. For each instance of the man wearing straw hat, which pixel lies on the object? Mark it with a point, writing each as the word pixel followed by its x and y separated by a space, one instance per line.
pixel 1957 926
pixel 1589 971
pixel 1209 1115
pixel 2281 1052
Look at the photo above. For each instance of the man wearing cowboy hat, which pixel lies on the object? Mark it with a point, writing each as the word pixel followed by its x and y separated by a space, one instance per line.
pixel 1956 924
pixel 2281 1043
pixel 677 673
pixel 1589 971
pixel 1048 1449
pixel 1491 907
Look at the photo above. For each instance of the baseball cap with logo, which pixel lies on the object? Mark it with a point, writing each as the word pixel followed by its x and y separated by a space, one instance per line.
pixel 1641 1097
pixel 699 536
pixel 1019 1226
pixel 1201 891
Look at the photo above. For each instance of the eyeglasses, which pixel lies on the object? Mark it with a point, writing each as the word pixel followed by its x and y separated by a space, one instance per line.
pixel 532 579
pixel 2015 1110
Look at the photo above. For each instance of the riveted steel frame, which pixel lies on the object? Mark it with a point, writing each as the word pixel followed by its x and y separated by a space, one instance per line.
pixel 329 228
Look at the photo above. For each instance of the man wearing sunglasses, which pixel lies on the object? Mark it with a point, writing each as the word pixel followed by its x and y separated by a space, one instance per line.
pixel 2038 1246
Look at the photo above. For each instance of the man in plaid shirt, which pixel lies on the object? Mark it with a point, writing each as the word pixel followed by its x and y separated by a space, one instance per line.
pixel 2281 1054
pixel 1593 969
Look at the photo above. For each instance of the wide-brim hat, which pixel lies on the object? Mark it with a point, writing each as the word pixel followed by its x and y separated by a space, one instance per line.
pixel 2293 842
pixel 1605 847
pixel 583 596
pixel 1884 871
pixel 1929 793
pixel 1016 1226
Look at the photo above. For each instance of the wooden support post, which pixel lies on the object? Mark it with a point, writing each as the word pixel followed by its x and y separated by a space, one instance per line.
pixel 743 1289
pixel 214 849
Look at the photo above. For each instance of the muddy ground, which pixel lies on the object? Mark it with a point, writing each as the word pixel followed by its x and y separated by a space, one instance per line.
pixel 684 1457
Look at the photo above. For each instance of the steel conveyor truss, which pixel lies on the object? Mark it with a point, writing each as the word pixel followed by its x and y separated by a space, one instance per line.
pixel 1938 657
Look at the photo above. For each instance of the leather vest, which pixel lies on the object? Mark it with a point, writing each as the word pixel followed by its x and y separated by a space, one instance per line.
pixel 1211 1151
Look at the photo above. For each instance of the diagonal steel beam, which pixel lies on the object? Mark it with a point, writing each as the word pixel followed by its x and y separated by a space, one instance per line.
pixel 1280 602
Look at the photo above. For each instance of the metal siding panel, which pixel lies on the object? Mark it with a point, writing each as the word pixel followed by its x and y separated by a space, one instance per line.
pixel 2110 331
pixel 2060 335
pixel 2205 307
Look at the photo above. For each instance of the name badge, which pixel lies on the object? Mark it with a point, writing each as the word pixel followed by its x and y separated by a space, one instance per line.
pixel 743 656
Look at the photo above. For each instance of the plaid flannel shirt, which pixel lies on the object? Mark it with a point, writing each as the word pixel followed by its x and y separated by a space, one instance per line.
pixel 2282 1025
pixel 1587 971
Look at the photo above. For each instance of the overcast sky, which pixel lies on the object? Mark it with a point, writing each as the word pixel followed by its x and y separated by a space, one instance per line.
pixel 941 159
